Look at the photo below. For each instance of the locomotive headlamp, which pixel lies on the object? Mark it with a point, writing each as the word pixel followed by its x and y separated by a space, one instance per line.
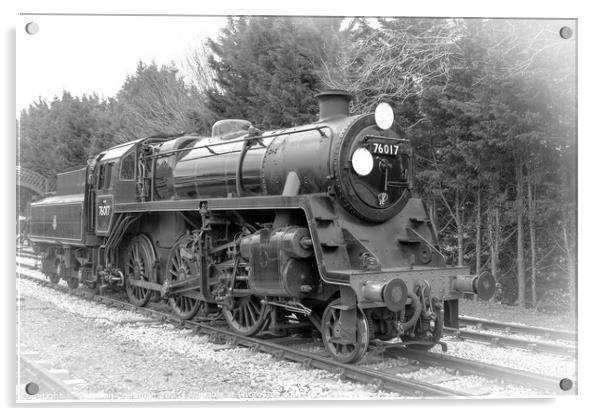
pixel 383 116
pixel 362 161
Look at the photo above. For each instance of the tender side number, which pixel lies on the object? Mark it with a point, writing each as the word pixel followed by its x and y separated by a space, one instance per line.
pixel 385 149
pixel 104 210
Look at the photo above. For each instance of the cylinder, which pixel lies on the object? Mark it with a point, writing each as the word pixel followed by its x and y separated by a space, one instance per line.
pixel 291 240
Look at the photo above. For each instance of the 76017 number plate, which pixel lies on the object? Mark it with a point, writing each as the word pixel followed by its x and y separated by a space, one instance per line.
pixel 384 149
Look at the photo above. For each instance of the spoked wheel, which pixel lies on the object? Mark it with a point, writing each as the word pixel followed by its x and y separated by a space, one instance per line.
pixel 179 268
pixel 247 315
pixel 138 264
pixel 344 351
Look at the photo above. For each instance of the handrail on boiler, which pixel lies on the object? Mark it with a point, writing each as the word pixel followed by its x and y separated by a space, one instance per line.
pixel 243 139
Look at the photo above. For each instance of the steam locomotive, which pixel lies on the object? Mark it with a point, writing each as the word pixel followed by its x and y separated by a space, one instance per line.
pixel 313 226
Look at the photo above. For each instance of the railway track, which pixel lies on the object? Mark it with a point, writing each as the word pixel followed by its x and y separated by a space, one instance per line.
pixel 547 333
pixel 506 374
pixel 510 341
pixel 45 383
pixel 498 339
pixel 287 349
pixel 284 352
pixel 27 253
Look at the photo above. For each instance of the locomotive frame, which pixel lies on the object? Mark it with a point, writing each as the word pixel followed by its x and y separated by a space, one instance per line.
pixel 280 230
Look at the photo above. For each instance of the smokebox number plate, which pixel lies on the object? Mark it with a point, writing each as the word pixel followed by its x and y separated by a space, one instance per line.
pixel 388 149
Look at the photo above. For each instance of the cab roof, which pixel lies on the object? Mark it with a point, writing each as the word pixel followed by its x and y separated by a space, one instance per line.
pixel 116 152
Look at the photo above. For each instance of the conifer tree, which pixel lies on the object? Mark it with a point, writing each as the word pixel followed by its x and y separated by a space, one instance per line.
pixel 266 68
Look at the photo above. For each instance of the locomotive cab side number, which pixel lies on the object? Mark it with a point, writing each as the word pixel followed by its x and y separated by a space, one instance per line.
pixel 104 213
pixel 384 149
pixel 104 210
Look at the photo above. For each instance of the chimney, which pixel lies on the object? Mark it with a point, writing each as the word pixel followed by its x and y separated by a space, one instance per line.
pixel 333 104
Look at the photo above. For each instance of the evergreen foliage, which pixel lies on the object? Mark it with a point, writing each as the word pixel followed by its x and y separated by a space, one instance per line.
pixel 266 68
pixel 157 100
pixel 63 134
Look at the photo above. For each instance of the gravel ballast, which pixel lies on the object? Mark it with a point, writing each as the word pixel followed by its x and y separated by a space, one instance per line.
pixel 123 357
pixel 565 321
pixel 548 364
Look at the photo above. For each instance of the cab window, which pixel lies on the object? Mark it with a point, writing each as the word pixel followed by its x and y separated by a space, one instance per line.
pixel 108 182
pixel 101 176
pixel 128 165
pixel 105 176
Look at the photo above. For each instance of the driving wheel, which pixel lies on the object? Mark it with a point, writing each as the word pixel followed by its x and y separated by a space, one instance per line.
pixel 247 315
pixel 179 268
pixel 344 350
pixel 138 265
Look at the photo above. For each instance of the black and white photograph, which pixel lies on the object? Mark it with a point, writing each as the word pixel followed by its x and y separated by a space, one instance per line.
pixel 295 208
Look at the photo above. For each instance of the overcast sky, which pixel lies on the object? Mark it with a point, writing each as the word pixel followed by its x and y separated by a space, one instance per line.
pixel 85 54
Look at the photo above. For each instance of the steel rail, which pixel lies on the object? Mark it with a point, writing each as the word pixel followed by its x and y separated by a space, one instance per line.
pixel 24 249
pixel 53 385
pixel 29 255
pixel 503 340
pixel 518 328
pixel 508 341
pixel 353 372
pixel 494 339
pixel 307 359
pixel 478 368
